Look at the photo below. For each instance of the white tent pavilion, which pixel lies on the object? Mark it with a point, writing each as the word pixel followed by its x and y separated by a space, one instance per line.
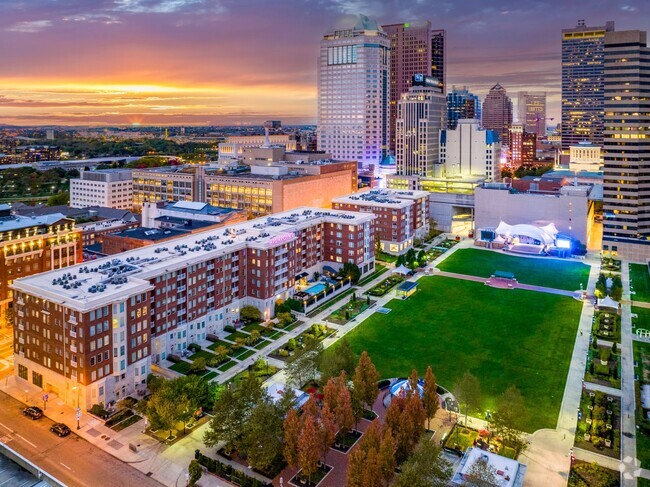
pixel 545 235
pixel 402 270
pixel 607 302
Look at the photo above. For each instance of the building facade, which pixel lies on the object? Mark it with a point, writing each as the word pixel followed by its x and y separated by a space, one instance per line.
pixel 462 105
pixel 401 216
pixel 522 146
pixel 354 91
pixel 420 117
pixel 626 190
pixel 107 322
pixel 497 113
pixel 583 51
pixel 531 107
pixel 162 214
pixel 414 49
pixel 470 151
pixel 233 147
pixel 585 157
pixel 31 245
pixel 176 183
pixel 107 188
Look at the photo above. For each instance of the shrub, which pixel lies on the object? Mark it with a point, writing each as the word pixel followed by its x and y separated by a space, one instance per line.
pixel 291 345
pixel 98 410
pixel 605 354
pixel 173 358
pixel 598 442
pixel 229 329
pixel 283 353
pixel 194 347
pixel 294 304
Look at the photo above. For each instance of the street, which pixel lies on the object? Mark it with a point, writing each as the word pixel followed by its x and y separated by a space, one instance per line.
pixel 6 351
pixel 70 459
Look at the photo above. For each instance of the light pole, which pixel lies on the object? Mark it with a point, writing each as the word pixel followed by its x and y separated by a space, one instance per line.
pixel 26 397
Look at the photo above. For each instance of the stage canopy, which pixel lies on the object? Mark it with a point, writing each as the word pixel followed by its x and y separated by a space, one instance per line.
pixel 545 235
pixel 402 270
pixel 607 302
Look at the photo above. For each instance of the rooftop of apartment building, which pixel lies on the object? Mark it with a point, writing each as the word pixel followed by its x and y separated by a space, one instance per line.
pixel 194 208
pixel 89 285
pixel 151 234
pixel 9 222
pixel 106 175
pixel 541 186
pixel 90 212
pixel 387 198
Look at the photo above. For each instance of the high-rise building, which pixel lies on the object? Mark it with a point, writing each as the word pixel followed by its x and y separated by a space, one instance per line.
pixel 626 187
pixel 522 145
pixel 414 49
pixel 497 112
pixel 582 83
pixel 469 151
pixel 420 117
pixel 110 188
pixel 439 56
pixel 354 91
pixel 462 105
pixel 531 107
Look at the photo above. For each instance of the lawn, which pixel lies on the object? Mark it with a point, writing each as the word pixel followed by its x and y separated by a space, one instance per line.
pixel 503 337
pixel 642 321
pixel 642 371
pixel 640 282
pixel 201 354
pixel 545 272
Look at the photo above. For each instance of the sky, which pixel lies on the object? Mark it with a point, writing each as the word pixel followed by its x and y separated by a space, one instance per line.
pixel 228 62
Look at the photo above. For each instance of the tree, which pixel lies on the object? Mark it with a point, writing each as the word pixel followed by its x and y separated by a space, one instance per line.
pixel 198 366
pixel 426 467
pixel 221 352
pixel 509 419
pixel 261 440
pixel 285 318
pixel 601 286
pixel 62 198
pixel 365 381
pixel 309 446
pixel 196 471
pixel 468 393
pixel 254 337
pixel 343 410
pixel 414 382
pixel 364 468
pixel 405 417
pixel 350 270
pixel 481 474
pixel 328 430
pixel 422 257
pixel 292 428
pixel 250 314
pixel 386 456
pixel 430 396
pixel 337 359
pixel 225 422
pixel 302 366
pixel 166 407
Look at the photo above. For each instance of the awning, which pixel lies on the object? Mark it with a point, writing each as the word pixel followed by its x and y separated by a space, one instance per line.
pixel 607 302
pixel 329 269
pixel 402 270
pixel 302 275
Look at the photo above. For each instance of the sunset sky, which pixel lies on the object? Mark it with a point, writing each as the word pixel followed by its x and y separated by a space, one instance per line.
pixel 199 62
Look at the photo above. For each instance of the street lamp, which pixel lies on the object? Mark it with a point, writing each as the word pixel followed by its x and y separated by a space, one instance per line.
pixel 26 397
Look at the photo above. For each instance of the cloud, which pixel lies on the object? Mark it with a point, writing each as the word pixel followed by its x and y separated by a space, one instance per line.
pixel 155 6
pixel 29 26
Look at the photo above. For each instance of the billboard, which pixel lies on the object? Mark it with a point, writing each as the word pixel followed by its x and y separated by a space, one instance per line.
pixel 423 80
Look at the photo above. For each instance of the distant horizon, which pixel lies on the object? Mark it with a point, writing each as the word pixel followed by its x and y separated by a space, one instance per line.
pixel 226 62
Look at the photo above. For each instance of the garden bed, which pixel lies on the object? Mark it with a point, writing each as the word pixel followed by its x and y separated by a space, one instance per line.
pixel 607 325
pixel 345 441
pixel 228 365
pixel 350 310
pixel 386 285
pixel 244 354
pixel 598 428
pixel 126 423
pixel 585 474
pixel 607 373
pixel 237 334
pixel 315 479
pixel 320 332
pixel 611 265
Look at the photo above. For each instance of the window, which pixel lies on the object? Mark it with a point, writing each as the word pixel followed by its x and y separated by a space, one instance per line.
pixel 22 371
pixel 37 379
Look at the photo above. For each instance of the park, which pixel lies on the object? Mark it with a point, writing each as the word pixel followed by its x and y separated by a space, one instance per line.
pixel 459 325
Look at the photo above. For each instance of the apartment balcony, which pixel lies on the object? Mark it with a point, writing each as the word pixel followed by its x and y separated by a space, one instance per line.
pixel 181 311
pixel 235 289
pixel 21 313
pixel 181 289
pixel 73 348
pixel 235 268
pixel 210 278
pixel 20 301
pixel 21 327
pixel 210 300
pixel 73 364
pixel 210 267
pixel 21 340
pixel 72 319
pixel 181 276
pixel 73 334
pixel 181 300
pixel 210 289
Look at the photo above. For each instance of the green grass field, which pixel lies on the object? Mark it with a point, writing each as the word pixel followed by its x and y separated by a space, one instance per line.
pixel 547 272
pixel 640 281
pixel 503 337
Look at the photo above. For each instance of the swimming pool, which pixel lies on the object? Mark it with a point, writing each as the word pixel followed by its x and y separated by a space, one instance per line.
pixel 316 288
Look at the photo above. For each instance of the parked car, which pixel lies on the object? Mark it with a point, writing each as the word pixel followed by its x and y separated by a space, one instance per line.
pixel 33 412
pixel 60 429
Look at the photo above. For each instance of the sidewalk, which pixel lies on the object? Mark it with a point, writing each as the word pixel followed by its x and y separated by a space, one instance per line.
pixel 161 462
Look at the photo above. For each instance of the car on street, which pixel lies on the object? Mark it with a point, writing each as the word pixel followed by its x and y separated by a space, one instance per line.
pixel 33 412
pixel 60 429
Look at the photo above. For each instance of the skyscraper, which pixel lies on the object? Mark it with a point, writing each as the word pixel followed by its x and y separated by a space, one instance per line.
pixel 582 83
pixel 461 104
pixel 626 187
pixel 531 108
pixel 353 91
pixel 497 112
pixel 420 117
pixel 522 145
pixel 415 49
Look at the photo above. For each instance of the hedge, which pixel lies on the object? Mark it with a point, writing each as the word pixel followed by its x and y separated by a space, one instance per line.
pixel 229 329
pixel 227 472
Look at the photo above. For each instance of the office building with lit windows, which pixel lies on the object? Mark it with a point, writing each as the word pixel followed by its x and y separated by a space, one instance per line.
pixel 90 333
pixel 354 91
pixel 420 118
pixel 497 112
pixel 626 186
pixel 583 50
pixel 462 105
pixel 531 108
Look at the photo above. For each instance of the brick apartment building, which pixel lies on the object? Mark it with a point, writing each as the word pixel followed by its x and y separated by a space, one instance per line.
pixel 97 328
pixel 29 245
pixel 401 216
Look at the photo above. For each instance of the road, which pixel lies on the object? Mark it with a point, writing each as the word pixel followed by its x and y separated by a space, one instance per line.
pixel 6 351
pixel 71 459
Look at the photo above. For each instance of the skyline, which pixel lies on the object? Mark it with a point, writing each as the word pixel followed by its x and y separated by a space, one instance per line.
pixel 202 62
